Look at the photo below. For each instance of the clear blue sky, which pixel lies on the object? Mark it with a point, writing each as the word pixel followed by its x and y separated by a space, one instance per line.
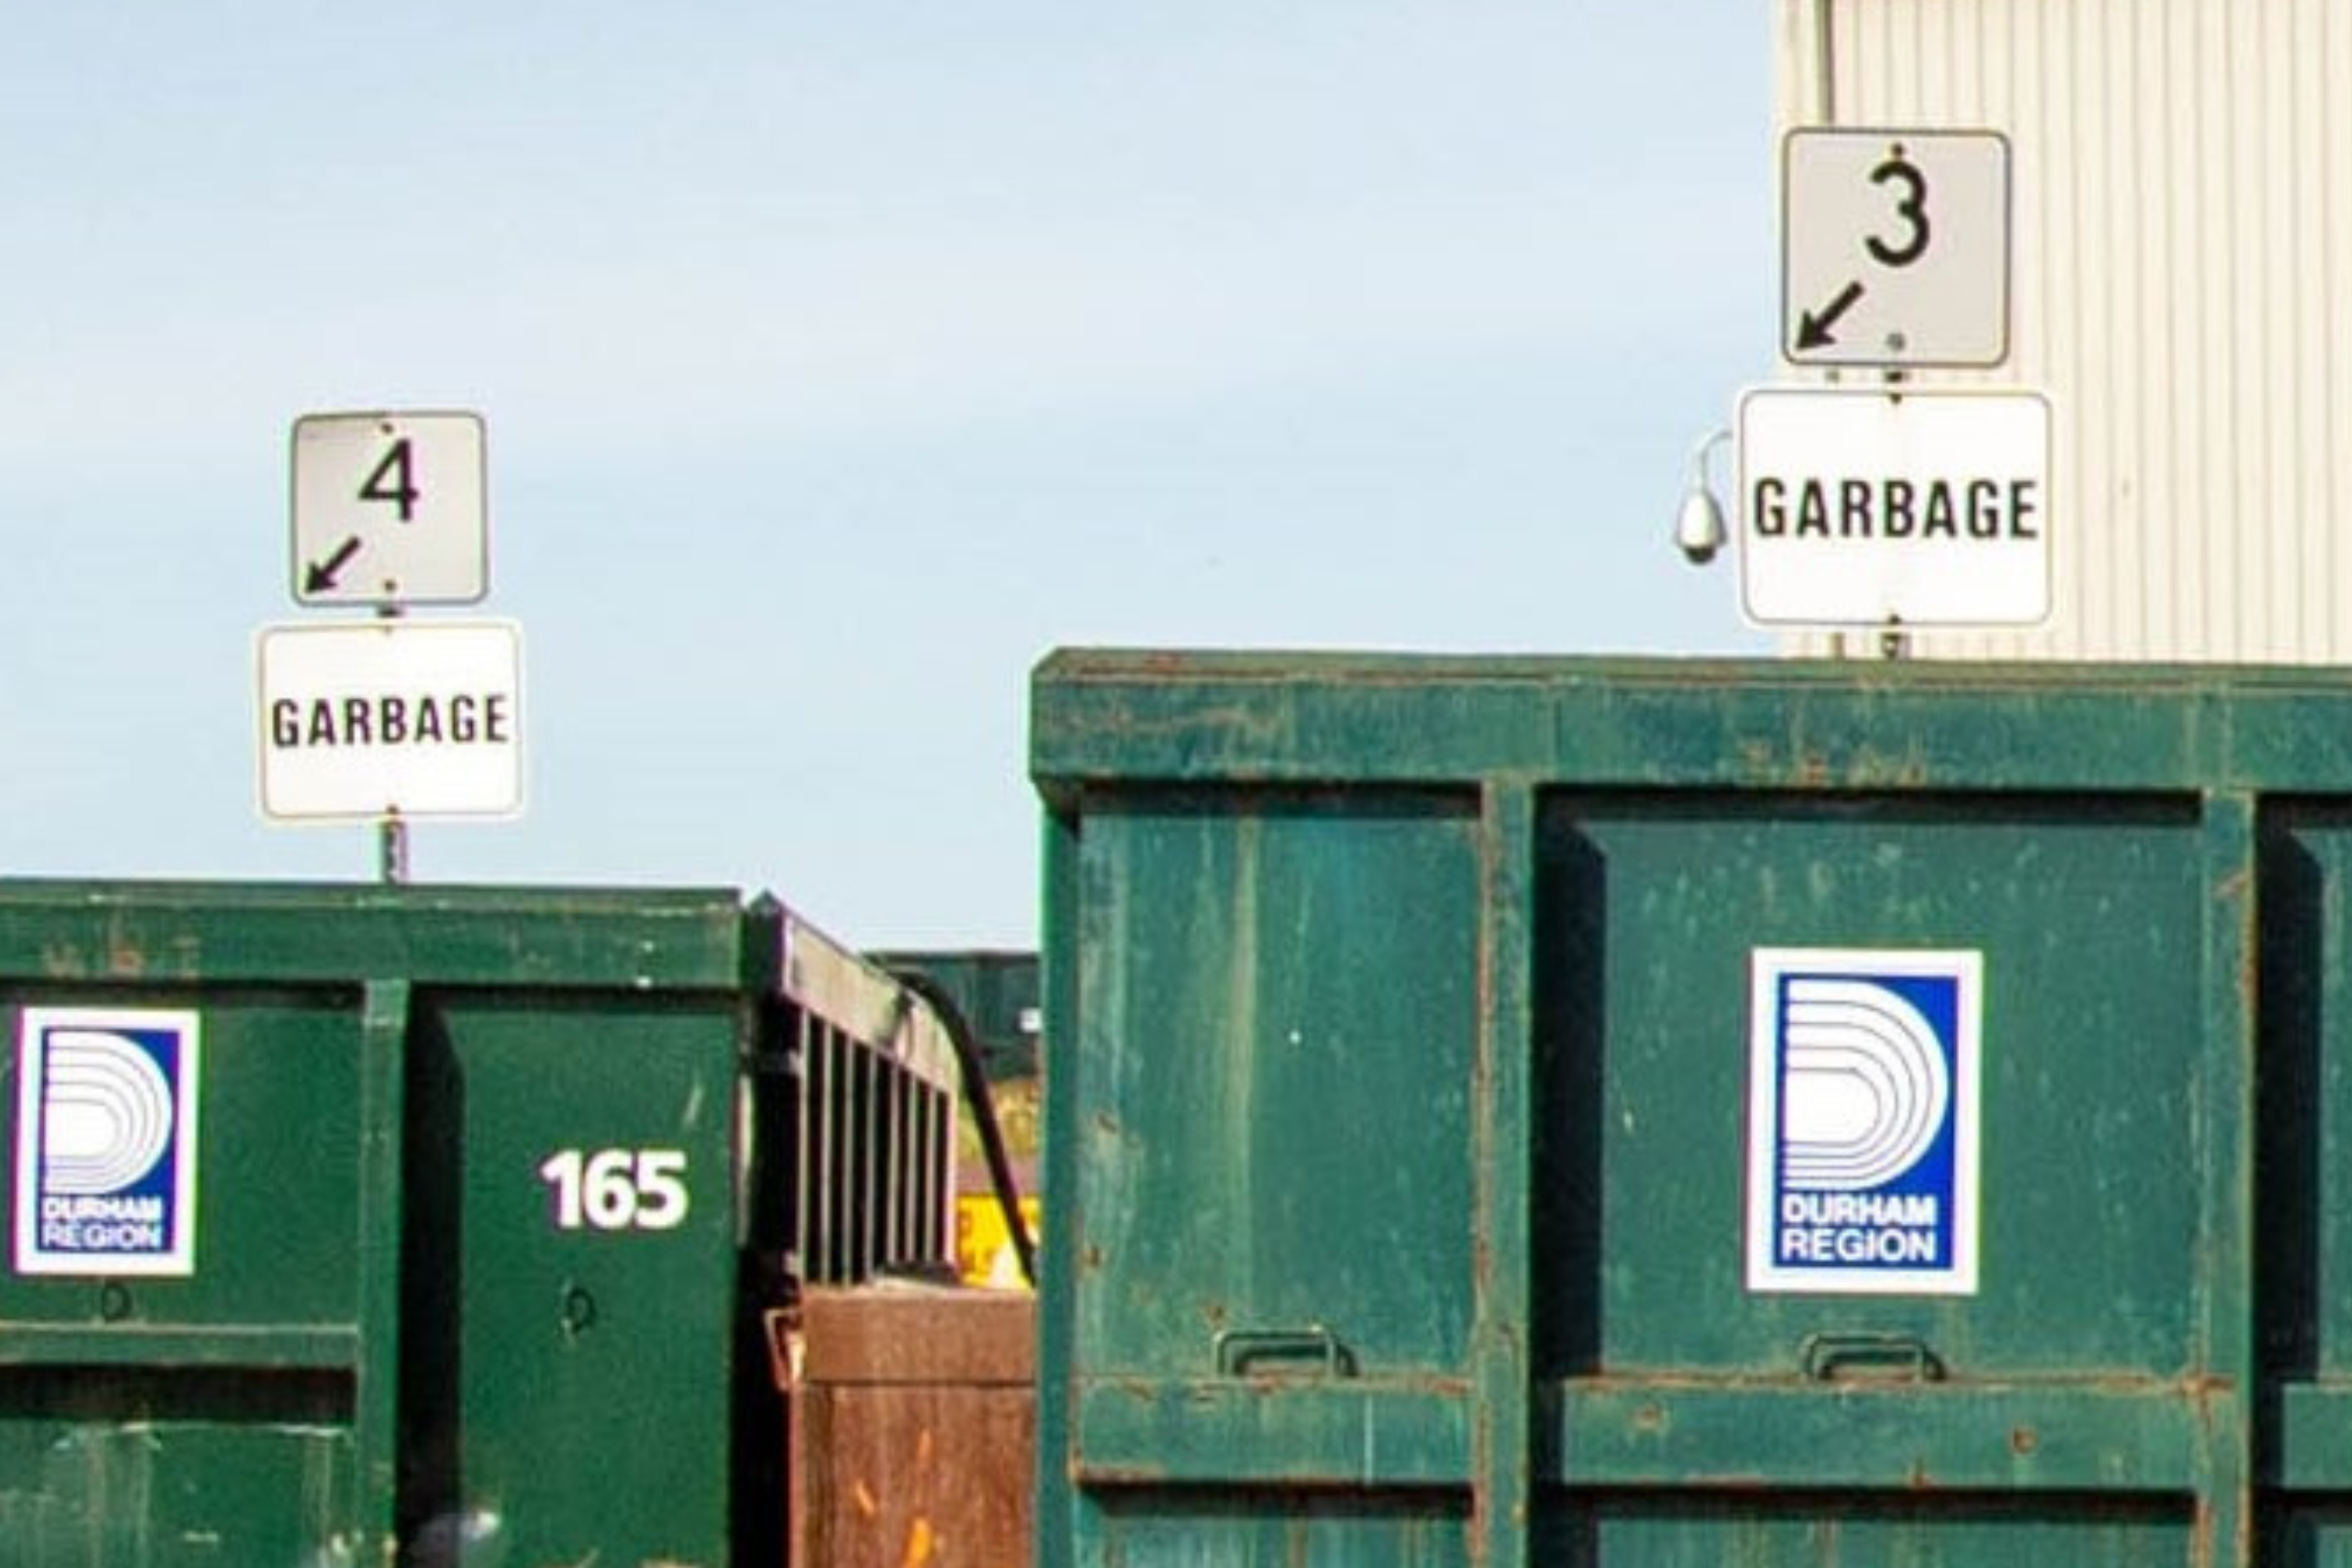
pixel 839 361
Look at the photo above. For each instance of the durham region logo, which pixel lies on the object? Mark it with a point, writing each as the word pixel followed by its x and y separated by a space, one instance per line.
pixel 106 1143
pixel 1862 1134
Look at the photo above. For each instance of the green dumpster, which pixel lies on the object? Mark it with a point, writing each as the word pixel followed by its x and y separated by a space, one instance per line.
pixel 430 1227
pixel 1644 1113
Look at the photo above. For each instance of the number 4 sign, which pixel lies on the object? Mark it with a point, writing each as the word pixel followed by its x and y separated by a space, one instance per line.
pixel 390 509
pixel 1895 248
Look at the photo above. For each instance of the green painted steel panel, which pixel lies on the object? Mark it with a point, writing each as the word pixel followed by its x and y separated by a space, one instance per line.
pixel 595 1364
pixel 1969 1532
pixel 1275 1530
pixel 172 1494
pixel 1342 932
pixel 2087 913
pixel 1657 1112
pixel 280 1102
pixel 468 1273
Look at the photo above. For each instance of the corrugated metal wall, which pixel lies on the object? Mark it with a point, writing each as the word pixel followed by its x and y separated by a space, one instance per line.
pixel 2182 188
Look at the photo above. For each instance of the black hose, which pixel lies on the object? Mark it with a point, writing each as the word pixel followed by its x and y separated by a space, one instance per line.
pixel 983 1112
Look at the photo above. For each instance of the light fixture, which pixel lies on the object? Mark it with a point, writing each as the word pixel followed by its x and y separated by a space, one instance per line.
pixel 1699 530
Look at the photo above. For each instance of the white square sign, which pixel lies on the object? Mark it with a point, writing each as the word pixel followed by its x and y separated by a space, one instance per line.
pixel 390 509
pixel 391 718
pixel 1869 509
pixel 1895 247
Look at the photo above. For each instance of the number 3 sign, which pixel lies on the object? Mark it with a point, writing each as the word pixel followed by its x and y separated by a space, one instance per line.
pixel 1895 248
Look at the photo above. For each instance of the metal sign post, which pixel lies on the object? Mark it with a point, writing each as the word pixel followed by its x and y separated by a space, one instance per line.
pixel 392 829
pixel 393 844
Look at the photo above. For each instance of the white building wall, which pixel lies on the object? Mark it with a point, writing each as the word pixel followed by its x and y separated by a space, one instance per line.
pixel 2181 178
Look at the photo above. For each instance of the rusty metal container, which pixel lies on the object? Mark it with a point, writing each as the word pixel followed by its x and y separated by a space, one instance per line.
pixel 914 1428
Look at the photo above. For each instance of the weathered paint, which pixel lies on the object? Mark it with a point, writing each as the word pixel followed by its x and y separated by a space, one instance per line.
pixel 1516 901
pixel 393 1345
pixel 913 1429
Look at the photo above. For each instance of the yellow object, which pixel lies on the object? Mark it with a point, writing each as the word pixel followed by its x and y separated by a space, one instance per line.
pixel 984 1253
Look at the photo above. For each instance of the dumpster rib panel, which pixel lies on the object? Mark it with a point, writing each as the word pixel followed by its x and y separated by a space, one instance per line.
pixel 2108 905
pixel 355 1224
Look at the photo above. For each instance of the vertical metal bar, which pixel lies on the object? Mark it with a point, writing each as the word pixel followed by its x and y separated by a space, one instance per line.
pixel 891 1154
pixel 840 1207
pixel 863 1178
pixel 939 1173
pixel 1825 62
pixel 808 1151
pixel 825 1155
pixel 2225 1315
pixel 922 1189
pixel 912 1156
pixel 885 1161
pixel 392 832
pixel 915 1168
pixel 832 1152
pixel 853 1157
pixel 383 1085
pixel 1055 1499
pixel 1503 1446
pixel 939 1169
pixel 921 1237
pixel 392 849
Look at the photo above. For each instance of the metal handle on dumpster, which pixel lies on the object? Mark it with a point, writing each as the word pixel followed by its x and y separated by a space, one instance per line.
pixel 1890 1356
pixel 1238 1349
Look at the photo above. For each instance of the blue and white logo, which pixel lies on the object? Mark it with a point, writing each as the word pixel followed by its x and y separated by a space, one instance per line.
pixel 1862 1089
pixel 106 1143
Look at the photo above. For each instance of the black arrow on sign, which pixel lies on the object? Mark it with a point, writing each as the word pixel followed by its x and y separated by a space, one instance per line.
pixel 319 578
pixel 1813 327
